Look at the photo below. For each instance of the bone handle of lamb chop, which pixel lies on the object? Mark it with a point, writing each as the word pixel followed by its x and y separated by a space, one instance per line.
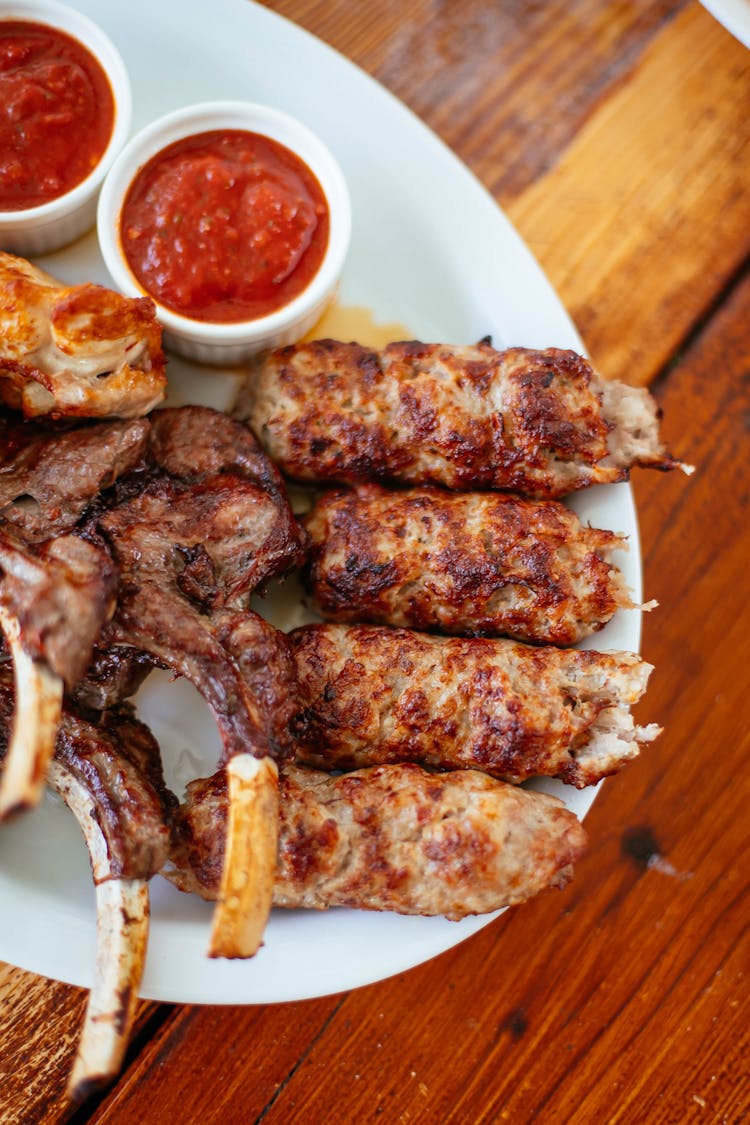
pixel 39 695
pixel 107 769
pixel 122 920
pixel 249 865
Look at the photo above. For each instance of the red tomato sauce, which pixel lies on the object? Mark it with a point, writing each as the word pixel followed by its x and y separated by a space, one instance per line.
pixel 224 226
pixel 57 111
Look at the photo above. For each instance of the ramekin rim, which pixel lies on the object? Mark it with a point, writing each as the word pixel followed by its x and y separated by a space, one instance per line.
pixel 186 121
pixel 98 42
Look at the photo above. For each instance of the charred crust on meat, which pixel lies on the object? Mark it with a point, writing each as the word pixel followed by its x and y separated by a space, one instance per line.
pixel 449 703
pixel 533 421
pixel 460 563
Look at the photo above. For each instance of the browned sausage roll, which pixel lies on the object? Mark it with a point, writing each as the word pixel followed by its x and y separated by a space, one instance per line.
pixel 471 563
pixel 393 838
pixel 537 422
pixel 370 695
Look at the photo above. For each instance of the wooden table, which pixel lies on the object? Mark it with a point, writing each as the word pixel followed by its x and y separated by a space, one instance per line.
pixel 617 137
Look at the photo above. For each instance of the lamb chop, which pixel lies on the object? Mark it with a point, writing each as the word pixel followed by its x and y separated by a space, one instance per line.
pixel 54 601
pixel 51 475
pixel 541 423
pixel 107 770
pixel 392 838
pixel 58 587
pixel 209 527
pixel 81 351
pixel 370 695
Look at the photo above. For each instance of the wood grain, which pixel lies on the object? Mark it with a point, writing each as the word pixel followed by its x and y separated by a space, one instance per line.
pixel 39 1028
pixel 41 1020
pixel 507 85
pixel 617 136
pixel 248 1053
pixel 638 230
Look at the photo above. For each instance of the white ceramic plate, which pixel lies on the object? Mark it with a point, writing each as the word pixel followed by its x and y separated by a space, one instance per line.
pixel 430 250
pixel 734 15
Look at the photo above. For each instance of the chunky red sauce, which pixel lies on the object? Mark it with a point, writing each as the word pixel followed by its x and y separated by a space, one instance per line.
pixel 225 226
pixel 56 114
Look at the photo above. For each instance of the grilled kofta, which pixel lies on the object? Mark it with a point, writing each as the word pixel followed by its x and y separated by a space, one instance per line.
pixel 469 564
pixel 537 422
pixel 369 695
pixel 392 838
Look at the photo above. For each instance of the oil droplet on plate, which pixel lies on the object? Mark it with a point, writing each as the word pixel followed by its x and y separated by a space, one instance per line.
pixel 354 322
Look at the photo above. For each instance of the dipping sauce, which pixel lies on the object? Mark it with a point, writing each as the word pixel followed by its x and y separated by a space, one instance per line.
pixel 224 226
pixel 56 114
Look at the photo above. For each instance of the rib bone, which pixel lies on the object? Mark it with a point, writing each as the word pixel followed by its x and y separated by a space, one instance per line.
pixel 208 529
pixel 247 879
pixel 122 918
pixel 39 694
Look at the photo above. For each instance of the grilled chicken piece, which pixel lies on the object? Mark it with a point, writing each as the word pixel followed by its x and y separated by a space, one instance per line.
pixel 107 770
pixel 392 838
pixel 80 351
pixel 370 695
pixel 474 563
pixel 54 601
pixel 191 547
pixel 50 477
pixel 537 422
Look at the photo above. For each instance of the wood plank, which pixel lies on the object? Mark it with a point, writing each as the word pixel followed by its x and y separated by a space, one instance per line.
pixel 624 997
pixel 508 86
pixel 641 111
pixel 217 1065
pixel 41 1020
pixel 667 156
pixel 40 1025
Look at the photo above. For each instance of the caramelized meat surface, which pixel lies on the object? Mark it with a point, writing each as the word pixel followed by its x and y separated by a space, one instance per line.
pixel 393 838
pixel 50 477
pixel 116 758
pixel 113 675
pixel 77 351
pixel 475 563
pixel 536 422
pixel 61 593
pixel 191 547
pixel 370 695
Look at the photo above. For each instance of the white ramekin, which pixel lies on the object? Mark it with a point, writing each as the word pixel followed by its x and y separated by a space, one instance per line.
pixel 39 230
pixel 230 344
